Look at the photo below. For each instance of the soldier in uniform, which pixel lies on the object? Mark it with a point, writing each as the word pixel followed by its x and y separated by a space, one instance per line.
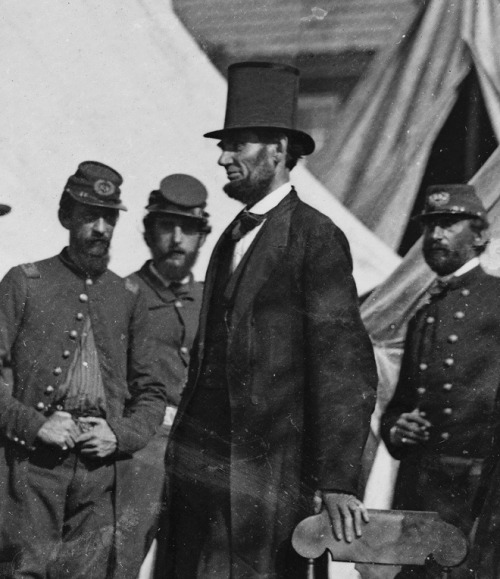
pixel 84 397
pixel 440 421
pixel 175 228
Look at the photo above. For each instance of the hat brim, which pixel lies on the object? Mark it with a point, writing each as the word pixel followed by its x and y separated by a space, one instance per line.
pixel 4 209
pixel 105 205
pixel 459 214
pixel 307 142
pixel 159 210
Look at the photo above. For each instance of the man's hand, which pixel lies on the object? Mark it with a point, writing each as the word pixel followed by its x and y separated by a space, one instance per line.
pixel 59 430
pixel 97 440
pixel 346 514
pixel 410 429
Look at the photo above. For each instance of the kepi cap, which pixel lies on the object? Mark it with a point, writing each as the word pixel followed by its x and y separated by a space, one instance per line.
pixel 263 95
pixel 179 194
pixel 4 209
pixel 460 200
pixel 96 184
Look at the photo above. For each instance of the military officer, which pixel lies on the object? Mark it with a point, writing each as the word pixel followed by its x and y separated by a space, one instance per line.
pixel 175 228
pixel 84 396
pixel 440 421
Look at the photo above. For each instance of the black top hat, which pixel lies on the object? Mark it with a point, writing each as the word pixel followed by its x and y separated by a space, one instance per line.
pixel 96 184
pixel 179 194
pixel 459 200
pixel 263 95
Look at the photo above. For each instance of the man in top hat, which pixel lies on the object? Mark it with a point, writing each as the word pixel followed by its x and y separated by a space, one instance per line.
pixel 440 421
pixel 84 398
pixel 175 228
pixel 282 379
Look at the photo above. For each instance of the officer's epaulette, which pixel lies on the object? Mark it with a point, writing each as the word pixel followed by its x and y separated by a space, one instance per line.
pixel 31 270
pixel 131 286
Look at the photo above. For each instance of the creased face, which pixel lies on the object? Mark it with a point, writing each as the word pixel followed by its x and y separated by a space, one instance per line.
pixel 249 165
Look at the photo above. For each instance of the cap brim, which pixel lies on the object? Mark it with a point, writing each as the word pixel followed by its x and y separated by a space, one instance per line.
pixel 4 209
pixel 87 201
pixel 159 209
pixel 462 214
pixel 306 140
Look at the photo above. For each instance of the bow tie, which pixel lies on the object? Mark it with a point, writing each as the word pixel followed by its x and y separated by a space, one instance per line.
pixel 244 223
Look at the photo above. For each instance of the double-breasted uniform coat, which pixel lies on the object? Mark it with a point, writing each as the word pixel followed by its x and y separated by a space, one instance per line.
pixel 450 371
pixel 172 325
pixel 300 377
pixel 42 310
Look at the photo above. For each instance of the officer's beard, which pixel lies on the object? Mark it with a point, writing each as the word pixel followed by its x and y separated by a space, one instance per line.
pixel 90 255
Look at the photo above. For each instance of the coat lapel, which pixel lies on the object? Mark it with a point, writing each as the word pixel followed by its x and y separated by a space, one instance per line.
pixel 262 258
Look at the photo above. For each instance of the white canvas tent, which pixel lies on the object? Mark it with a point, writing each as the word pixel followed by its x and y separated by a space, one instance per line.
pixel 124 84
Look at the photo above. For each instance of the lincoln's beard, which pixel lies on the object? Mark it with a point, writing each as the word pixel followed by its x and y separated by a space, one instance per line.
pixel 256 185
pixel 91 256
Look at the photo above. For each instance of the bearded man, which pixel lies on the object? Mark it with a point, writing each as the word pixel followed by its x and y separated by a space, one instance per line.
pixel 282 379
pixel 175 228
pixel 84 398
pixel 441 419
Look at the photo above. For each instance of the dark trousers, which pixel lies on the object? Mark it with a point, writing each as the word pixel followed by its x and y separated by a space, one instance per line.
pixel 65 517
pixel 199 519
pixel 445 484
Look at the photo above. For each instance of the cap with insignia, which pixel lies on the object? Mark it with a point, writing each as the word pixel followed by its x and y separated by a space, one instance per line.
pixel 459 200
pixel 179 194
pixel 96 184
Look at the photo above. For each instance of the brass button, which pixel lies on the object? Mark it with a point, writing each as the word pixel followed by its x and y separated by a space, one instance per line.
pixel 88 282
pixel 430 320
pixel 423 366
pixel 447 386
pixel 452 338
pixel 59 407
pixel 73 334
pixel 15 439
pixel 40 406
pixel 421 390
pixel 49 389
pixel 23 442
pixel 84 298
pixel 79 316
pixel 459 315
pixel 449 362
pixel 447 411
pixel 66 354
pixel 57 371
pixel 178 304
pixel 184 350
pixel 465 292
pixel 445 435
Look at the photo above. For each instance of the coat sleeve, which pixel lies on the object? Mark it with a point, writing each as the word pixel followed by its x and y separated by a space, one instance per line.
pixel 404 399
pixel 146 407
pixel 18 422
pixel 340 366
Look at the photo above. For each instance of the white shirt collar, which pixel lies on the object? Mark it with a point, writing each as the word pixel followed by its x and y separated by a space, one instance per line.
pixel 271 200
pixel 471 264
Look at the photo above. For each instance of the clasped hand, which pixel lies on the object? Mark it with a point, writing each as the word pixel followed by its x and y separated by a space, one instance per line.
pixel 92 435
